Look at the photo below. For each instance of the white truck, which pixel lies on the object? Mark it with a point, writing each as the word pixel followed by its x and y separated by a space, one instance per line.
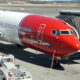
pixel 10 71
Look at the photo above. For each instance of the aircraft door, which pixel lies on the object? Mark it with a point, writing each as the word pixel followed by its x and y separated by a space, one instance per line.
pixel 40 32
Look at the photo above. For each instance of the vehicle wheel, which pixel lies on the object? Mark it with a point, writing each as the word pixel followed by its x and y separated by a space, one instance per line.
pixel 4 79
pixel 19 46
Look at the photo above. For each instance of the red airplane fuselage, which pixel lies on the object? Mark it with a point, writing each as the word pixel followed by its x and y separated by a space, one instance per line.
pixel 42 38
pixel 48 35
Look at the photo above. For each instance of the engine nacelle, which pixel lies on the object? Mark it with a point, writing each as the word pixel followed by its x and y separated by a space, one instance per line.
pixel 1 34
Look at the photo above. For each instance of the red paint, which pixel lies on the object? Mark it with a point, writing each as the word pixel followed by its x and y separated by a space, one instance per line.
pixel 41 31
pixel 9 74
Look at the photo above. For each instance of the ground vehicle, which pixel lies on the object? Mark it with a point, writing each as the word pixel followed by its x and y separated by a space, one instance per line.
pixel 9 71
pixel 7 58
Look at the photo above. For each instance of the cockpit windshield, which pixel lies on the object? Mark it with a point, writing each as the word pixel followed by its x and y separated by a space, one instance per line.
pixel 64 32
pixel 72 32
pixel 7 60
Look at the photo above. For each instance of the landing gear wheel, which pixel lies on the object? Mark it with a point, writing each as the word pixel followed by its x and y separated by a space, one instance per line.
pixel 4 79
pixel 57 63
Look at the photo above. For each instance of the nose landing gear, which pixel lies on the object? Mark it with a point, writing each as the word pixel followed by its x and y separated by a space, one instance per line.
pixel 56 63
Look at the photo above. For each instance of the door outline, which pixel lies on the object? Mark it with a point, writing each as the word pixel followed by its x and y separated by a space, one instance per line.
pixel 40 32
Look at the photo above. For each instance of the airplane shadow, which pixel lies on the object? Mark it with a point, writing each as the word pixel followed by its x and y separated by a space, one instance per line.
pixel 20 53
pixel 72 59
pixel 38 59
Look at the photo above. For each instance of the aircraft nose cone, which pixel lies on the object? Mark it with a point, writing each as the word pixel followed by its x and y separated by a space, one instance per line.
pixel 77 47
pixel 71 44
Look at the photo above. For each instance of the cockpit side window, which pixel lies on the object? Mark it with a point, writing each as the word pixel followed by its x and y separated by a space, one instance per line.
pixel 57 32
pixel 54 32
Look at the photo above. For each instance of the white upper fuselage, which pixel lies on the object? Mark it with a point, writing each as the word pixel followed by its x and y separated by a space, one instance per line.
pixel 10 24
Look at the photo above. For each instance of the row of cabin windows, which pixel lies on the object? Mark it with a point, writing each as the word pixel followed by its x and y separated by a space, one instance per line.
pixel 9 25
pixel 26 29
pixel 15 27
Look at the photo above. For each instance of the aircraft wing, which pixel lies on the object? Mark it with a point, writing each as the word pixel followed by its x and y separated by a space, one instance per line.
pixel 70 12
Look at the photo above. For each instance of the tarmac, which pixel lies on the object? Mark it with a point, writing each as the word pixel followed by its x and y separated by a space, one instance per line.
pixel 37 62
